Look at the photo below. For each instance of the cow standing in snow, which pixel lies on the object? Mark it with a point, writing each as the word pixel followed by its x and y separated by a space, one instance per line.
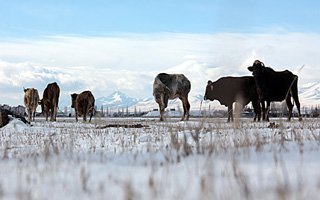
pixel 50 100
pixel 228 90
pixel 275 86
pixel 83 104
pixel 171 86
pixel 31 99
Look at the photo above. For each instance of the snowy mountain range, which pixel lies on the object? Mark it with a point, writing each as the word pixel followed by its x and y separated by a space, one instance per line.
pixel 309 95
pixel 116 100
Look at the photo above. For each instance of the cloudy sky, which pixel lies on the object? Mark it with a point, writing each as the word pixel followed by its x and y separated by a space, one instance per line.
pixel 110 45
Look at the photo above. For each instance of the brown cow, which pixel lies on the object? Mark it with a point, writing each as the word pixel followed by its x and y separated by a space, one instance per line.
pixel 171 86
pixel 83 104
pixel 50 100
pixel 228 90
pixel 31 99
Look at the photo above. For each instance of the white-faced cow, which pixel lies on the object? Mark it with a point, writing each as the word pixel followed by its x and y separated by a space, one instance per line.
pixel 171 86
pixel 228 90
pixel 275 86
pixel 83 104
pixel 50 100
pixel 31 99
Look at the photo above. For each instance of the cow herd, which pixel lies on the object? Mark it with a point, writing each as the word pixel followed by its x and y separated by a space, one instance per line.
pixel 265 86
pixel 83 103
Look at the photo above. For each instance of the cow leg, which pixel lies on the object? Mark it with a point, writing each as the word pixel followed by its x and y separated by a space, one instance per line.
pixel 257 110
pixel 47 115
pixel 91 114
pixel 91 110
pixel 296 100
pixel 55 108
pixel 267 111
pixel 186 108
pixel 230 113
pixel 33 115
pixel 187 105
pixel 162 106
pixel 52 113
pixel 290 106
pixel 85 117
pixel 161 109
pixel 29 115
pixel 76 114
pixel 263 110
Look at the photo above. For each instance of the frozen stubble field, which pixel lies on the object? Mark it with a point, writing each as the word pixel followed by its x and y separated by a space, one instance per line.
pixel 142 158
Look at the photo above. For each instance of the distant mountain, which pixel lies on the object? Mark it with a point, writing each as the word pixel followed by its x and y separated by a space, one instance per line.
pixel 116 100
pixel 310 91
pixel 309 94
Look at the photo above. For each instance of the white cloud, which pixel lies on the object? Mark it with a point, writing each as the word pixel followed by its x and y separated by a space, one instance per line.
pixel 130 62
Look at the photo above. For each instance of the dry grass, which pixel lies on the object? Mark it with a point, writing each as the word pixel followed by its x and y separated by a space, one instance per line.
pixel 200 159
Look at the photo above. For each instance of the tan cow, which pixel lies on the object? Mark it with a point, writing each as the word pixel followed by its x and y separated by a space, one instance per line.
pixel 83 104
pixel 31 99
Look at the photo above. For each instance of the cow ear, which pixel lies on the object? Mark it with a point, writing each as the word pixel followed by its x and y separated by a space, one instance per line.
pixel 209 82
pixel 250 68
pixel 262 64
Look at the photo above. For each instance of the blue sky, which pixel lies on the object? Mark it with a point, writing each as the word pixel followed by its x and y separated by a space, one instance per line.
pixel 32 18
pixel 105 46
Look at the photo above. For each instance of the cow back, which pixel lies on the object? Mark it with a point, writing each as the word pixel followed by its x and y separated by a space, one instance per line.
pixel 31 98
pixel 274 86
pixel 232 89
pixel 51 95
pixel 85 102
pixel 173 85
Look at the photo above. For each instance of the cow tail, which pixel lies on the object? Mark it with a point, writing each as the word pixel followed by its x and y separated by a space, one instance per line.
pixel 294 83
pixel 33 99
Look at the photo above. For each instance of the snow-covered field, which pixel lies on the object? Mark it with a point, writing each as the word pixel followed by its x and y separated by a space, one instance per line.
pixel 142 158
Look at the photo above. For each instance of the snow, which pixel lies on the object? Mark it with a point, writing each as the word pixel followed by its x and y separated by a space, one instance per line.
pixel 203 158
pixel 117 98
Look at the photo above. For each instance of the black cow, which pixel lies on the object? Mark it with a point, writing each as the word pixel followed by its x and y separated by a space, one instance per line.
pixel 228 90
pixel 171 86
pixel 275 86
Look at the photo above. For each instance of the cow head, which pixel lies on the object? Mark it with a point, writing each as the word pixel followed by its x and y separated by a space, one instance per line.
pixel 257 68
pixel 209 91
pixel 26 89
pixel 73 100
